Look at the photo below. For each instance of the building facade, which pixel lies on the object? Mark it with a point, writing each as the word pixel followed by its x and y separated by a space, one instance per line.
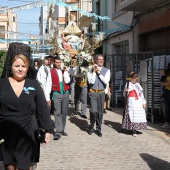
pixel 153 25
pixel 8 23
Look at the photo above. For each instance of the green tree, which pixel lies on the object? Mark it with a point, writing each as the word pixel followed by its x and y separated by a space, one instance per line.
pixel 2 59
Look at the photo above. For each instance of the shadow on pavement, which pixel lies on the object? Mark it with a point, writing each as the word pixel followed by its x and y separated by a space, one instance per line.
pixel 118 127
pixel 76 119
pixel 115 125
pixel 156 126
pixel 155 163
pixel 82 124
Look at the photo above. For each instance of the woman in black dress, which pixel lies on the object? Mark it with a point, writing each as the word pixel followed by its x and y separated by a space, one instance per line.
pixel 22 101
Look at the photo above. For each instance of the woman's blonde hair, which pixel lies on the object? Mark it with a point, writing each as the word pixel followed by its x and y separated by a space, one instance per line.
pixel 23 58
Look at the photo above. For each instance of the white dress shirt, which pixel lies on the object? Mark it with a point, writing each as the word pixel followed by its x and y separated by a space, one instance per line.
pixel 91 76
pixel 43 77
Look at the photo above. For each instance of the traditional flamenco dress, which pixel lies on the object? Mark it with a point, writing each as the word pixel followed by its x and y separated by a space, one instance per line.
pixel 135 116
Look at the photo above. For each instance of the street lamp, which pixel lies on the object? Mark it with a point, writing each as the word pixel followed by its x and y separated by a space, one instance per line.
pixel 96 41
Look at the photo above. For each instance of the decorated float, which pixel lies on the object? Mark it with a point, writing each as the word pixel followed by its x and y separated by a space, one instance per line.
pixel 75 48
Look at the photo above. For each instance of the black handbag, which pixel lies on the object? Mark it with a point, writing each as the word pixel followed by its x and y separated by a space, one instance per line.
pixel 40 135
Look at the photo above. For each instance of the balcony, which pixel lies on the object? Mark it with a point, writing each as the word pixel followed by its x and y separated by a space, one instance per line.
pixel 137 5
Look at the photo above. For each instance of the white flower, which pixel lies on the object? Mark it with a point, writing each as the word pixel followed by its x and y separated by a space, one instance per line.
pixel 64 52
pixel 61 57
pixel 67 59
pixel 83 56
pixel 89 57
pixel 83 53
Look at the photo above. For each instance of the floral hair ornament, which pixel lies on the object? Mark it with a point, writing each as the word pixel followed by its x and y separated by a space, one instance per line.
pixel 26 90
pixel 131 73
pixel 1 141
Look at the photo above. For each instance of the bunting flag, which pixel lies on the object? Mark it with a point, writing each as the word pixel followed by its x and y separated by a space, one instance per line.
pixel 40 46
pixel 61 4
pixel 17 40
pixel 22 7
pixel 107 32
pixel 122 27
pixel 88 14
pixel 55 2
pixel 21 34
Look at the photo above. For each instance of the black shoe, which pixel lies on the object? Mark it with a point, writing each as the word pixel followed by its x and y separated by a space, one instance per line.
pixel 90 131
pixel 99 133
pixel 75 113
pixel 84 116
pixel 64 134
pixel 57 136
pixel 105 112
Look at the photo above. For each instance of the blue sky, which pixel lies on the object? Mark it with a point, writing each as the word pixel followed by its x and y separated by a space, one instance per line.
pixel 28 20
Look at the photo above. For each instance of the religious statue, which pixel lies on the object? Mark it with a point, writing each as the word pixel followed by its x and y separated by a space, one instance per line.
pixel 65 42
pixel 80 42
pixel 72 28
pixel 72 40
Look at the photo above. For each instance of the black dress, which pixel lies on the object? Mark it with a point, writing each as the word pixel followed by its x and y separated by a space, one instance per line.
pixel 18 122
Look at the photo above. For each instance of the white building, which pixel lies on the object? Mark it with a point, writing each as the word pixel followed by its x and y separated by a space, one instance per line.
pixel 8 23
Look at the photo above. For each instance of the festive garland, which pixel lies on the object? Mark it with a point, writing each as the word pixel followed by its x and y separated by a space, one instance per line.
pixel 21 34
pixel 19 40
pixel 123 27
pixel 56 2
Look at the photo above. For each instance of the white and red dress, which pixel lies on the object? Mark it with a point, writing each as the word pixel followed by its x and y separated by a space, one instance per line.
pixel 135 116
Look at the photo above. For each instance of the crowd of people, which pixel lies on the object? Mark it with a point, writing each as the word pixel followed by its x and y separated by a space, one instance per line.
pixel 83 83
pixel 30 93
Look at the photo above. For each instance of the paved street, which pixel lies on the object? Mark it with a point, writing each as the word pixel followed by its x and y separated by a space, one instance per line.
pixel 113 151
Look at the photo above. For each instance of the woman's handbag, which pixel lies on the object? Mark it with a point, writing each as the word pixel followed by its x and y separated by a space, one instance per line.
pixel 40 135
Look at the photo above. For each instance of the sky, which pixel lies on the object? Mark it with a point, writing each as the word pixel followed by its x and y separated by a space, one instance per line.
pixel 28 20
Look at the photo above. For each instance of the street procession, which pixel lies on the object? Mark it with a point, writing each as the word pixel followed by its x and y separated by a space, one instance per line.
pixel 84 85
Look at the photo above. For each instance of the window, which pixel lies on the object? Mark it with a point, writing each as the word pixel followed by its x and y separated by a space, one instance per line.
pixel 122 48
pixel 2 35
pixel 13 19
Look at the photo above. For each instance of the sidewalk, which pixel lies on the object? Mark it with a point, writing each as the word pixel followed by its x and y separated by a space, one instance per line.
pixel 113 151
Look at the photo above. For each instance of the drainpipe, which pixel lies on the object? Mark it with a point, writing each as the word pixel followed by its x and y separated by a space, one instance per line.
pixel 133 24
pixel 133 34
pixel 105 28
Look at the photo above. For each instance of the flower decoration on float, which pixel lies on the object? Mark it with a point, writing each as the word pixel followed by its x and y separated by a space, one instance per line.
pixel 83 58
pixel 65 57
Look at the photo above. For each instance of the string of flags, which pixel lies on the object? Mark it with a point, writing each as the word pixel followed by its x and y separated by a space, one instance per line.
pixel 121 27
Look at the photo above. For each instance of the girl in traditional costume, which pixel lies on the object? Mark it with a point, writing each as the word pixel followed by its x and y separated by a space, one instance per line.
pixel 134 117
